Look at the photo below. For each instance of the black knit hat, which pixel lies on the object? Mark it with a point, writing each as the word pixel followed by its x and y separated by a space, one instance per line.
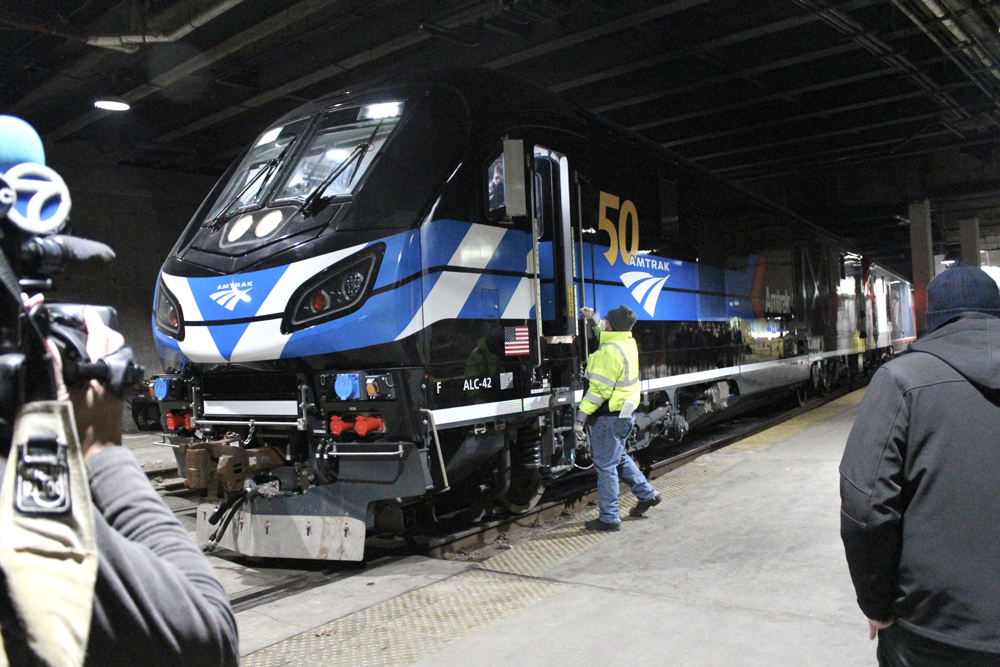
pixel 622 318
pixel 961 289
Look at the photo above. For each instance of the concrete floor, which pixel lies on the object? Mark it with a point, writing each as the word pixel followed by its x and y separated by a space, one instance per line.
pixel 742 565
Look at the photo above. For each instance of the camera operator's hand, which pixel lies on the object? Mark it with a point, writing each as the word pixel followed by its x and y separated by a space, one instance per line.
pixel 62 393
pixel 98 411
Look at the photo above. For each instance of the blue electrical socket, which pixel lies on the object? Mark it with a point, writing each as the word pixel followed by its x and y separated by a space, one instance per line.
pixel 348 386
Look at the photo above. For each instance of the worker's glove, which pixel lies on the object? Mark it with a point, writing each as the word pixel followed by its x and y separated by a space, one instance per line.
pixel 578 427
pixel 587 313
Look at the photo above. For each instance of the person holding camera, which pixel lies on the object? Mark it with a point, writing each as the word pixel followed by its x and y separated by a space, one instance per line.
pixel 156 599
pixel 95 569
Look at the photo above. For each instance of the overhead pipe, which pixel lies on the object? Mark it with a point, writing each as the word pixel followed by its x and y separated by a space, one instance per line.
pixel 947 50
pixel 133 41
pixel 265 28
pixel 54 29
pixel 125 43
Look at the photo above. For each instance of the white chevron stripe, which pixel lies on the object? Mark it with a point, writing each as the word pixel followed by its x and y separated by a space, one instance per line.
pixel 198 344
pixel 519 306
pixel 449 294
pixel 477 248
pixel 296 274
pixel 260 342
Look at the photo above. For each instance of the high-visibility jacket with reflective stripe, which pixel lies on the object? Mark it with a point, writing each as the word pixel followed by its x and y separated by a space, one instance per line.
pixel 613 372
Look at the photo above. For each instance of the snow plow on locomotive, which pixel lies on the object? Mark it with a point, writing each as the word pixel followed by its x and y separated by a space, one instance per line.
pixel 372 321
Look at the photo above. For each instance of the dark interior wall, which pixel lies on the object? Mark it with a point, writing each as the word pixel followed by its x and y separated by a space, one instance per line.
pixel 140 213
pixel 868 204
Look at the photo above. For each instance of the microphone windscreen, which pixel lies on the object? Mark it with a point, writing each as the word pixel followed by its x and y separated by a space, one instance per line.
pixel 19 143
pixel 84 249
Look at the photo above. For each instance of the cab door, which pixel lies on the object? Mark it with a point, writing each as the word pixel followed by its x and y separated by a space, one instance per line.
pixel 552 224
pixel 545 202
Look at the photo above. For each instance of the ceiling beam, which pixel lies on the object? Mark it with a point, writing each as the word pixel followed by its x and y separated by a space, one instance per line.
pixel 885 53
pixel 801 117
pixel 846 161
pixel 936 115
pixel 780 64
pixel 728 40
pixel 781 95
pixel 370 55
pixel 262 30
pixel 630 21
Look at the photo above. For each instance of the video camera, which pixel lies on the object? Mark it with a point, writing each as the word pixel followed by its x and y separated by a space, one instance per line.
pixel 34 207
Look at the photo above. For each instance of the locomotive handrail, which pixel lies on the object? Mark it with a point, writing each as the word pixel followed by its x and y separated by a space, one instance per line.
pixel 437 444
pixel 583 270
pixel 245 422
pixel 398 452
pixel 538 276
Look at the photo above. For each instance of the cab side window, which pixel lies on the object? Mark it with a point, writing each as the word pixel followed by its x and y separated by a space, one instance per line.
pixel 495 208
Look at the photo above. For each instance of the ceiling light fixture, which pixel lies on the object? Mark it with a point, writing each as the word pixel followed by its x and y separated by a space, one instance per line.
pixel 112 103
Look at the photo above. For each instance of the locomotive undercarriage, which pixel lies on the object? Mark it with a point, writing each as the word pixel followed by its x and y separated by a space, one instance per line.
pixel 313 477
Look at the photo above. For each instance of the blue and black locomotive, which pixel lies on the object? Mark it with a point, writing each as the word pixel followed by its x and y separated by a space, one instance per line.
pixel 372 321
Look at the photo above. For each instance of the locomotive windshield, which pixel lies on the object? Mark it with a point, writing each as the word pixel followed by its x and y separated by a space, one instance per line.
pixel 332 164
pixel 339 153
pixel 247 186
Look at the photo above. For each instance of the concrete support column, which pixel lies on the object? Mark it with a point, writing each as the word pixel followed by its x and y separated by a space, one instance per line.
pixel 969 235
pixel 923 259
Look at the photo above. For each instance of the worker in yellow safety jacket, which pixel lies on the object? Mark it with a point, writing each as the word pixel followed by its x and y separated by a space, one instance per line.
pixel 611 397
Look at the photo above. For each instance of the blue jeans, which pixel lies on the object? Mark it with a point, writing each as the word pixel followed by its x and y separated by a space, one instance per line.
pixel 607 440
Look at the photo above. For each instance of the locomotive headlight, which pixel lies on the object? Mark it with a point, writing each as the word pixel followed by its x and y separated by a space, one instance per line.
pixel 352 285
pixel 338 291
pixel 168 313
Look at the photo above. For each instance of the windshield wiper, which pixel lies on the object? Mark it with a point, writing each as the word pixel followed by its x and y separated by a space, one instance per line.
pixel 266 172
pixel 314 203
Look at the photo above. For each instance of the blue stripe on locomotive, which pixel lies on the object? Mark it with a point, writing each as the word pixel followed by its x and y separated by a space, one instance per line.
pixel 709 293
pixel 386 315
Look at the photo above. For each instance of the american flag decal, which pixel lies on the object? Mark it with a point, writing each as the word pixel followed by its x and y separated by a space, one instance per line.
pixel 515 341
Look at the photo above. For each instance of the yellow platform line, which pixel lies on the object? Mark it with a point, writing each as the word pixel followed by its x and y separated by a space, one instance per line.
pixel 794 426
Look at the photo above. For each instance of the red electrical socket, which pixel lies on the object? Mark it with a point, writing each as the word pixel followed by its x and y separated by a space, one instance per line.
pixel 338 425
pixel 365 425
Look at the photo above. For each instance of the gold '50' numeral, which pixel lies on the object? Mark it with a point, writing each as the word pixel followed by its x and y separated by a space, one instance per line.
pixel 619 235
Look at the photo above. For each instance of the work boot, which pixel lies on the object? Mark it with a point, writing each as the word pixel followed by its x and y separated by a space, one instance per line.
pixel 597 524
pixel 643 506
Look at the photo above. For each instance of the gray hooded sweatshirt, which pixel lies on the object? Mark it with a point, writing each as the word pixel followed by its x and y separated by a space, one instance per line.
pixel 920 488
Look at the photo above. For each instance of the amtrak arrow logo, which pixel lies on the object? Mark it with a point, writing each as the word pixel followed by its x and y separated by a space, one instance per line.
pixel 646 286
pixel 230 295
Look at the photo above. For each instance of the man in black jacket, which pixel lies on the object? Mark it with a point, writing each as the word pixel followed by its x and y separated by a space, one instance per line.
pixel 920 486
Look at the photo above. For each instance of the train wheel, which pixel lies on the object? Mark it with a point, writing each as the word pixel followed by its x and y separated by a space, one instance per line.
pixel 524 492
pixel 802 395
